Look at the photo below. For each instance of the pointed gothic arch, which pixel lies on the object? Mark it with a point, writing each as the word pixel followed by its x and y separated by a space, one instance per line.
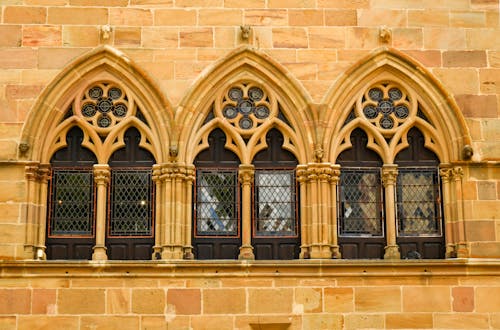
pixel 246 65
pixel 441 119
pixel 101 64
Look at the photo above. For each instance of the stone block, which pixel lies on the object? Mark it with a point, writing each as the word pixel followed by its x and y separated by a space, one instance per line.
pixel 266 301
pixel 290 38
pixel 118 301
pixel 328 37
pixel 444 38
pixel 322 321
pixel 428 58
pixel 148 301
pixel 461 321
pixel 247 282
pixel 487 190
pixel 490 81
pixel 47 322
pixel 348 4
pixel 470 190
pixel 338 300
pixel 77 16
pixel 212 322
pixel 127 36
pixel 18 58
pixel 303 71
pixel 364 321
pixel 483 39
pixel 407 38
pixel 100 3
pixel 427 18
pixel 494 59
pixel 25 15
pixel 188 70
pixel 468 19
pixel 12 232
pixel 266 17
pixel 426 299
pixel 488 299
pixel 130 16
pixel 57 58
pixel 158 37
pixel 40 36
pixel 8 322
pixel 220 17
pixel 225 37
pixel 459 81
pixel 165 322
pixel 15 92
pixel 175 17
pixel 110 322
pixel 245 3
pixel 368 299
pixel 463 299
pixel 308 300
pixel 464 59
pixel 81 301
pixel 291 3
pixel 197 37
pixel 341 17
pixel 15 301
pixel 360 37
pixel 389 17
pixel 485 250
pixel 43 301
pixel 478 106
pixel 80 36
pixel 316 55
pixel 408 321
pixel 184 301
pixel 199 3
pixel 224 301
pixel 306 17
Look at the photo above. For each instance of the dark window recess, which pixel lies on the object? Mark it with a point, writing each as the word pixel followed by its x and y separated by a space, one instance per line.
pixel 71 208
pixel 216 221
pixel 361 225
pixel 130 232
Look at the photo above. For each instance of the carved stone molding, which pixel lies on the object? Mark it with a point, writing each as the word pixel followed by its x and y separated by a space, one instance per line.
pixel 389 175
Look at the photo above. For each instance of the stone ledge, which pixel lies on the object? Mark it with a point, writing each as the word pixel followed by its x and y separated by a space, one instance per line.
pixel 229 268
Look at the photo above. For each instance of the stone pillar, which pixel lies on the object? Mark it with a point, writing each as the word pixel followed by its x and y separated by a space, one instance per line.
pixel 461 248
pixel 32 205
pixel 101 178
pixel 332 217
pixel 246 178
pixel 190 176
pixel 43 174
pixel 159 219
pixel 389 175
pixel 446 180
pixel 305 214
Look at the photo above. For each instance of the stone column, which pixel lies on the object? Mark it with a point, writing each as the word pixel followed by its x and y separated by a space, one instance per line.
pixel 190 175
pixel 332 217
pixel 32 205
pixel 159 219
pixel 101 178
pixel 305 214
pixel 43 174
pixel 389 175
pixel 246 178
pixel 461 248
pixel 446 177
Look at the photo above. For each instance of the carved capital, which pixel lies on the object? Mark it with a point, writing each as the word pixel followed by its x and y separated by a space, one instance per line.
pixel 457 173
pixel 101 174
pixel 389 175
pixel 246 174
pixel 43 173
pixel 446 174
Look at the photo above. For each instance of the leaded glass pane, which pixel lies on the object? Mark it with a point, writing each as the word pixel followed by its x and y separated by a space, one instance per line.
pixel 216 202
pixel 131 203
pixel 72 208
pixel 418 202
pixel 275 203
pixel 360 209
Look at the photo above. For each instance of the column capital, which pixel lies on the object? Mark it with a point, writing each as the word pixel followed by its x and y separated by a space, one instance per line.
pixel 457 173
pixel 389 174
pixel 446 174
pixel 246 174
pixel 102 173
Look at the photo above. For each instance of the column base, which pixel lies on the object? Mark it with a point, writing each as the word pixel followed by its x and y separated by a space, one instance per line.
pixel 99 253
pixel 392 252
pixel 40 253
pixel 336 252
pixel 188 253
pixel 172 252
pixel 246 253
pixel 304 252
pixel 321 251
pixel 462 250
pixel 450 251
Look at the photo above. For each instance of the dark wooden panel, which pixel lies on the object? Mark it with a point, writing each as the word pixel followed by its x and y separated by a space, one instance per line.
pixel 362 247
pixel 69 248
pixel 130 248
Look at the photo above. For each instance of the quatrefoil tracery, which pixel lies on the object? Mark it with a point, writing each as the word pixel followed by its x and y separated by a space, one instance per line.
pixel 246 106
pixel 386 106
pixel 104 105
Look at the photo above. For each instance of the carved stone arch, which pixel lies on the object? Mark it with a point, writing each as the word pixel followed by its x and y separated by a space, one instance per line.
pixel 451 133
pixel 101 64
pixel 241 65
